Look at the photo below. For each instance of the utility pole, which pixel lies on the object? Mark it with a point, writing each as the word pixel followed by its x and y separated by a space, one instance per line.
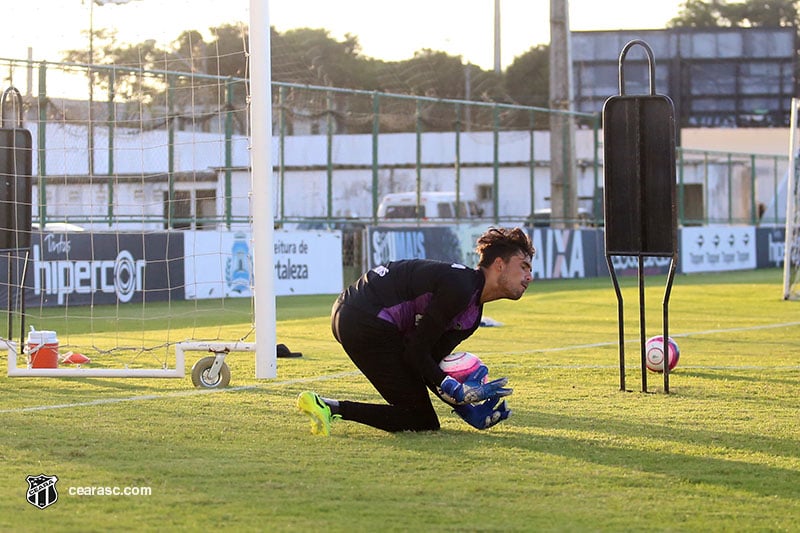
pixel 498 68
pixel 563 180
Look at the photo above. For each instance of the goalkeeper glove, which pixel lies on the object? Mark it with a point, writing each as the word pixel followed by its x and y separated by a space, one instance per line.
pixel 483 415
pixel 473 390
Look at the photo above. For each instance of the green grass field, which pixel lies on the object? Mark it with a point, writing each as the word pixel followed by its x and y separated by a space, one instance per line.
pixel 721 452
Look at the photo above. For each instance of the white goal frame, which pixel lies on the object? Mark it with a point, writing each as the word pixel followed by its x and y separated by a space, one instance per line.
pixel 791 197
pixel 261 171
pixel 262 180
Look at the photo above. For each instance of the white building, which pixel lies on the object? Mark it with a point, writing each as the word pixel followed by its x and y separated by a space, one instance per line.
pixel 131 189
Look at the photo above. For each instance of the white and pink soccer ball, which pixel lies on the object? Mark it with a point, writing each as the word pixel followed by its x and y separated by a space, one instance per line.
pixel 460 365
pixel 654 353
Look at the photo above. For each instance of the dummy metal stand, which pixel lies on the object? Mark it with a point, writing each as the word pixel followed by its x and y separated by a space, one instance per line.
pixel 642 322
pixel 639 194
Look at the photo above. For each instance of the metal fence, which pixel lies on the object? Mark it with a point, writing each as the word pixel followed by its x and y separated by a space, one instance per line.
pixel 336 153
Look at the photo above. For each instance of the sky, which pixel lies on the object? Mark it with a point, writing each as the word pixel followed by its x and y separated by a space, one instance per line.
pixel 385 30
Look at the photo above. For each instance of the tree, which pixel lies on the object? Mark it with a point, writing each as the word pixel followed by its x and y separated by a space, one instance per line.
pixel 699 14
pixel 226 52
pixel 312 57
pixel 527 82
pixel 302 57
pixel 750 13
pixel 430 73
pixel 527 78
pixel 129 83
pixel 137 86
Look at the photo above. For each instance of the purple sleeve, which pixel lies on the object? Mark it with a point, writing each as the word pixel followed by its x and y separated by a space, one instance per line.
pixel 452 316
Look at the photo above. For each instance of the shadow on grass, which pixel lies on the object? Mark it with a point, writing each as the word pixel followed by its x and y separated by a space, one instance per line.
pixel 602 447
pixel 50 393
pixel 721 375
pixel 734 474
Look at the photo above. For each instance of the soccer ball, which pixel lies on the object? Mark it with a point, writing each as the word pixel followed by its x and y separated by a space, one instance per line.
pixel 654 353
pixel 460 365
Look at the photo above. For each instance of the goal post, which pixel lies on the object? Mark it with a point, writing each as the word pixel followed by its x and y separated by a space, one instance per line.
pixel 791 260
pixel 262 177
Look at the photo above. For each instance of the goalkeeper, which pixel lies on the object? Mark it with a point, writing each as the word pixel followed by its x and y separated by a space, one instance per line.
pixel 397 321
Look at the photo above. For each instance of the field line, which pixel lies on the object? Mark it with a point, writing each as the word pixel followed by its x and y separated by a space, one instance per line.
pixel 675 335
pixel 178 394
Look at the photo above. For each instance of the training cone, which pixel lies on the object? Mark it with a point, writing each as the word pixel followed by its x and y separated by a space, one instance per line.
pixel 73 358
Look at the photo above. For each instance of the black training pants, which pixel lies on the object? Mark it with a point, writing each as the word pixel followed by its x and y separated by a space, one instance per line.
pixel 376 347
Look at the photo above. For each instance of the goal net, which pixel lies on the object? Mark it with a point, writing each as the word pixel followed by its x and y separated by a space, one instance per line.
pixel 791 263
pixel 140 194
pixel 151 175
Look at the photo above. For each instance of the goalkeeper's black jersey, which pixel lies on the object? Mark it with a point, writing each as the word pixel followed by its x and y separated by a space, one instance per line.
pixel 435 305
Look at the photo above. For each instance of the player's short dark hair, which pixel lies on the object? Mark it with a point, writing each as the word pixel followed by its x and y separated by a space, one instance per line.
pixel 504 243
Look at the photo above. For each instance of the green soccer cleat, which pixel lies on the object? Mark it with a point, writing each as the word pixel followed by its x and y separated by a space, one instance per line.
pixel 318 411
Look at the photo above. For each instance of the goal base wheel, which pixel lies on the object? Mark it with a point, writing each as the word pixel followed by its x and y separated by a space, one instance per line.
pixel 202 379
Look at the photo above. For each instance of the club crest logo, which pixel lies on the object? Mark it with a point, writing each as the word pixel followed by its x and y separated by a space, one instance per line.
pixel 238 270
pixel 42 491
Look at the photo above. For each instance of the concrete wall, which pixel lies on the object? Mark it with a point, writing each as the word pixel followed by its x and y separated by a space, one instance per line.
pixel 303 188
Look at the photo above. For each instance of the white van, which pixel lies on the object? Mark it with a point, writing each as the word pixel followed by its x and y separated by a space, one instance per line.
pixel 541 217
pixel 432 205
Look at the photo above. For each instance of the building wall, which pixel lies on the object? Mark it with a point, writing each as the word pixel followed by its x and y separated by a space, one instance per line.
pixel 716 77
pixel 301 189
